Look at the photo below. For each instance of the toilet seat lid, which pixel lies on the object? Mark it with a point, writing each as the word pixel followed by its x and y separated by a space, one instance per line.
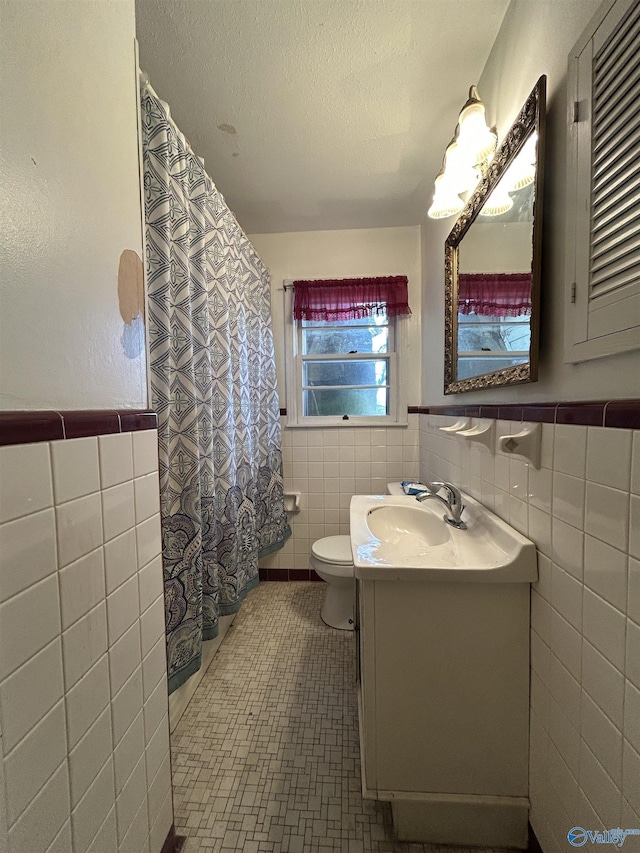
pixel 333 549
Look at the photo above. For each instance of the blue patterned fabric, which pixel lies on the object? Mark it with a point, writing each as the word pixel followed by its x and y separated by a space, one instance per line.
pixel 213 385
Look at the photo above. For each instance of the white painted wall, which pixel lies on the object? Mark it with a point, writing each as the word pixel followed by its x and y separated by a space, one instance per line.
pixel 70 203
pixel 535 39
pixel 345 254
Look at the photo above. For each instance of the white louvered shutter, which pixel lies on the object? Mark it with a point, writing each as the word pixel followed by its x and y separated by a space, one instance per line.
pixel 606 170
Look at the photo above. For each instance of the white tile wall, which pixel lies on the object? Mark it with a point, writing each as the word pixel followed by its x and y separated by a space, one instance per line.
pixel 116 459
pixel 106 838
pixel 154 668
pixel 118 510
pixel 45 816
pixel 36 757
pixel 131 810
pixel 63 841
pixel 40 682
pixel 81 587
pixel 90 813
pixel 121 559
pixel 79 528
pixel 89 755
pixel 75 468
pixel 581 508
pixel 126 704
pixel 22 635
pixel 327 467
pixel 156 799
pixel 28 548
pixel 123 609
pixel 86 700
pixel 26 484
pixel 84 643
pixel 84 751
pixel 128 753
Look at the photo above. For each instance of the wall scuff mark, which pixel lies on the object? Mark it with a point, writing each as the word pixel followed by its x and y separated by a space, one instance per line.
pixel 130 285
pixel 131 302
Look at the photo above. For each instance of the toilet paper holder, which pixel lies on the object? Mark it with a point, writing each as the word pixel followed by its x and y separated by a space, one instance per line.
pixel 292 501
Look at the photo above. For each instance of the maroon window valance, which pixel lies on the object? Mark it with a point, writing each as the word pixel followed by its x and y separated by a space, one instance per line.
pixel 494 294
pixel 350 298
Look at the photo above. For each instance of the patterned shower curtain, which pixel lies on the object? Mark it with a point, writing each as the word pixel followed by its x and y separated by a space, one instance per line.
pixel 213 386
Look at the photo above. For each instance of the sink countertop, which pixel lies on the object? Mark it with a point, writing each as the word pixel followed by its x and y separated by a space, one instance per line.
pixel 489 550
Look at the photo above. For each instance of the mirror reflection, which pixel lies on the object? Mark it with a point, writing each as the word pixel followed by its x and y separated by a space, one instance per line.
pixel 494 287
pixel 492 267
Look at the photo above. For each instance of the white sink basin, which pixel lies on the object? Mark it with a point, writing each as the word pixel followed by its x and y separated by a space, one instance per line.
pixel 407 527
pixel 395 537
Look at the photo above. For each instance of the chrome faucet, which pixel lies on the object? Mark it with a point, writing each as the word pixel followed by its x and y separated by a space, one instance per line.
pixel 453 502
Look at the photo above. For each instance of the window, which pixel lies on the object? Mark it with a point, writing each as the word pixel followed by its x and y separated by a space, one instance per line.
pixel 342 355
pixel 603 260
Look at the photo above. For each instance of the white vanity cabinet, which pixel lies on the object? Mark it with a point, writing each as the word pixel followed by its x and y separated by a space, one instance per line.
pixel 444 707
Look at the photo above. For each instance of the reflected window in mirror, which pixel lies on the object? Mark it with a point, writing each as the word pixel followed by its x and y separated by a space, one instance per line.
pixel 492 265
pixel 494 329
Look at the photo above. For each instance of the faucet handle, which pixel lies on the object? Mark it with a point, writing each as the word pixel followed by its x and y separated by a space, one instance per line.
pixel 455 497
pixel 453 493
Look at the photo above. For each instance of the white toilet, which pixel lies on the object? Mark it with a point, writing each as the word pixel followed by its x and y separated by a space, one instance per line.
pixel 332 559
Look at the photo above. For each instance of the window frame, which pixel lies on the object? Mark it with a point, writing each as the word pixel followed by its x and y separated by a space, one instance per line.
pixel 398 415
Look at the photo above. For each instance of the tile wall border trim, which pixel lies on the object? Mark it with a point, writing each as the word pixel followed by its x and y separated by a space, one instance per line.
pixel 27 427
pixel 623 414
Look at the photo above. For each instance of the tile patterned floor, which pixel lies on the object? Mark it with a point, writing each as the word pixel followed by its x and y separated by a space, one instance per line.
pixel 266 757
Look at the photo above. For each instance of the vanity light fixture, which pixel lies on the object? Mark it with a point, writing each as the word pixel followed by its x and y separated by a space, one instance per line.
pixel 465 160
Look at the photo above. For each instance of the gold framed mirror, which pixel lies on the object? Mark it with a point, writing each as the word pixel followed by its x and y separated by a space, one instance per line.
pixel 492 264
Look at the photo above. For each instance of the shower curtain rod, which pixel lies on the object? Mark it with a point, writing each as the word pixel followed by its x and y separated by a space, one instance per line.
pixel 144 82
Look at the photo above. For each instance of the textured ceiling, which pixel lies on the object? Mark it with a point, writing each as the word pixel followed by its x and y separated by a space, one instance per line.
pixel 318 114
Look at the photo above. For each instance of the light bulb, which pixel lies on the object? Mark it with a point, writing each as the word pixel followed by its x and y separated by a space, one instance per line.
pixel 446 202
pixel 474 135
pixel 522 171
pixel 459 168
pixel 499 202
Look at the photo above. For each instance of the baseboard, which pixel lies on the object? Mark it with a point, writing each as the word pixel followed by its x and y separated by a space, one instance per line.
pixel 288 575
pixel 534 844
pixel 461 821
pixel 173 843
